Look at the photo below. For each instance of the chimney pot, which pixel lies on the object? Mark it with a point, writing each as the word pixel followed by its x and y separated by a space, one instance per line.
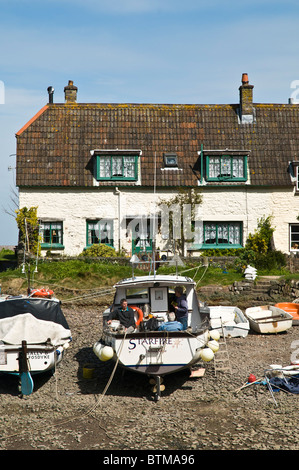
pixel 70 92
pixel 50 90
pixel 245 79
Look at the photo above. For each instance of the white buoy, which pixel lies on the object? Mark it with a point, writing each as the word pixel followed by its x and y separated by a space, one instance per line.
pixel 214 334
pixel 213 344
pixel 206 354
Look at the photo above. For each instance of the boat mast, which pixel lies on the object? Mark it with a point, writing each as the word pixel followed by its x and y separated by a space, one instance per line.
pixel 154 222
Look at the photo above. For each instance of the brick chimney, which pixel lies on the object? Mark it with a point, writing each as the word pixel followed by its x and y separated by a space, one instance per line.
pixel 246 94
pixel 70 92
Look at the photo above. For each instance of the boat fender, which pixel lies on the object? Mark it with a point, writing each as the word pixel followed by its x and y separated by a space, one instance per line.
pixel 206 354
pixel 213 345
pixel 104 353
pixel 139 313
pixel 214 334
pixel 59 351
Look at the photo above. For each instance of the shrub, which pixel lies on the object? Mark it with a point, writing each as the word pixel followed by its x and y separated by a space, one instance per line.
pixel 99 250
pixel 258 251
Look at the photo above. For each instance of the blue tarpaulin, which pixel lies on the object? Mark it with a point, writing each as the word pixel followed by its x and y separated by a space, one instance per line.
pixel 290 385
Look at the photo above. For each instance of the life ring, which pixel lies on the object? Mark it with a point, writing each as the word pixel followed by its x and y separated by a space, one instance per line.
pixel 139 312
pixel 41 293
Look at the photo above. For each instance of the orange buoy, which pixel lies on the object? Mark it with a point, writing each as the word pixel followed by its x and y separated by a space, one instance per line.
pixel 251 378
pixel 139 313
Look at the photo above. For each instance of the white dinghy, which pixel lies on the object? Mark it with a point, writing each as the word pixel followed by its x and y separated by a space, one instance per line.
pixel 229 319
pixel 268 319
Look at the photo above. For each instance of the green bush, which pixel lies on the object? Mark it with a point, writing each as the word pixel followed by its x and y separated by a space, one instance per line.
pixel 223 252
pixel 99 250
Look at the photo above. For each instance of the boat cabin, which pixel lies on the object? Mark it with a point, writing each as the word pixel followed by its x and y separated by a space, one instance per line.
pixel 154 294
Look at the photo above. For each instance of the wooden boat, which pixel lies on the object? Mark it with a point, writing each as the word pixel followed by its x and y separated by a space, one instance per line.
pixel 291 308
pixel 230 319
pixel 147 350
pixel 268 319
pixel 33 337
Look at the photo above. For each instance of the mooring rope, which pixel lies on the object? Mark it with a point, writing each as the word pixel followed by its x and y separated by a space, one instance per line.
pixel 86 413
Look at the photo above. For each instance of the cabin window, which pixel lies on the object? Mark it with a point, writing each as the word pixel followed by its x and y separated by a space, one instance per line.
pixel 51 235
pixel 226 168
pixel 99 231
pixel 117 167
pixel 294 237
pixel 137 293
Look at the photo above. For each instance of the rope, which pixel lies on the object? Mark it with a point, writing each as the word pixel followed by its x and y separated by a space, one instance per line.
pixel 85 296
pixel 90 410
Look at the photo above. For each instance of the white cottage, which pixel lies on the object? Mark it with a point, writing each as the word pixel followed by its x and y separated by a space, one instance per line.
pixel 97 172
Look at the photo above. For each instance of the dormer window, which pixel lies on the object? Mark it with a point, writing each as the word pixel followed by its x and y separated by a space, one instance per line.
pixel 226 168
pixel 170 160
pixel 223 165
pixel 116 165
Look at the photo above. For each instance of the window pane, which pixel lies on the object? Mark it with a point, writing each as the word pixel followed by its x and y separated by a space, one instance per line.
pixel 222 233
pixel 129 167
pixel 56 233
pixel 117 166
pixel 238 167
pixel 105 167
pixel 214 167
pixel 106 232
pixel 295 237
pixel 92 233
pixel 210 233
pixel 235 234
pixel 225 166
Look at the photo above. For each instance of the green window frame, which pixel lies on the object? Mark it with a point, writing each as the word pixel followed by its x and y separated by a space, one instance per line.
pixel 51 235
pixel 222 235
pixel 226 168
pixel 116 167
pixel 99 231
pixel 294 237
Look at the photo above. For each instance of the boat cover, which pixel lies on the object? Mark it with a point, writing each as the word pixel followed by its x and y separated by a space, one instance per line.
pixel 287 384
pixel 32 320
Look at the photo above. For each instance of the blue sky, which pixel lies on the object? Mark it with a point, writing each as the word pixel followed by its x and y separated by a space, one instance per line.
pixel 142 51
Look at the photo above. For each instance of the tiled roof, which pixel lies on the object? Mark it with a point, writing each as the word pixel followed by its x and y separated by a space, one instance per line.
pixel 53 149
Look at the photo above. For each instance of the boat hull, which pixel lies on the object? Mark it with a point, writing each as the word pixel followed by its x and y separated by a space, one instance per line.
pixel 291 308
pixel 155 353
pixel 234 322
pixel 268 319
pixel 39 358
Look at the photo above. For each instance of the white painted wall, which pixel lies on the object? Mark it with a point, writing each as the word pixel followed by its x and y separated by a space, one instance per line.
pixel 73 207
